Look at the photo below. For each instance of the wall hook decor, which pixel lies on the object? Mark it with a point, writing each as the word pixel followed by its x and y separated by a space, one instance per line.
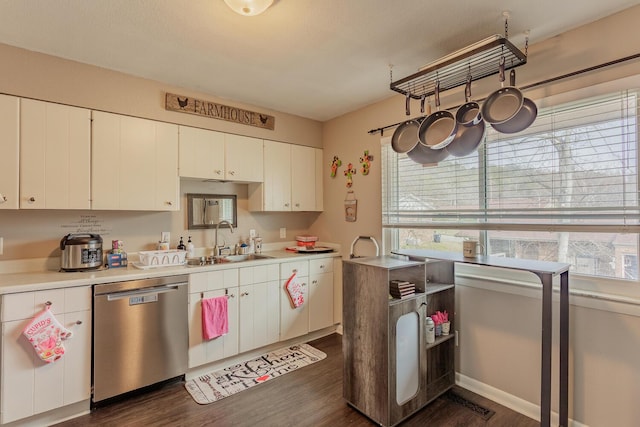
pixel 335 164
pixel 366 160
pixel 349 172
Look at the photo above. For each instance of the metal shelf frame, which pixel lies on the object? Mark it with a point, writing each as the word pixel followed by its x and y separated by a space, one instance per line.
pixel 478 61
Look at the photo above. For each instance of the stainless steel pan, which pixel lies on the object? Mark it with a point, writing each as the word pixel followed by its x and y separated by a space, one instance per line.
pixel 439 128
pixel 469 113
pixel 523 118
pixel 405 137
pixel 504 103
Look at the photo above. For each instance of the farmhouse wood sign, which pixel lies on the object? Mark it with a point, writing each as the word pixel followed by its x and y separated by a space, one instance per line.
pixel 185 104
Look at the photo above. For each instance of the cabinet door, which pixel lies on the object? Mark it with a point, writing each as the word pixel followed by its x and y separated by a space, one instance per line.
pixel 259 315
pixel 243 158
pixel 201 153
pixel 319 184
pixel 277 176
pixel 294 322
pixel 134 163
pixel 9 160
pixel 55 156
pixel 303 178
pixel 320 301
pixel 18 373
pixel 202 351
pixel 77 357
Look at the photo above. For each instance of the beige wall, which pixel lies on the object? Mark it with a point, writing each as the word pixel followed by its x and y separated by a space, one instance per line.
pixel 500 333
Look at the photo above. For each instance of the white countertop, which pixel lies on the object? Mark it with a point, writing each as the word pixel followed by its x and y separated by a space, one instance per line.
pixel 53 279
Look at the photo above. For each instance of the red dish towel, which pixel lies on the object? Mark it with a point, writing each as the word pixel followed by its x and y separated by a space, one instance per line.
pixel 215 319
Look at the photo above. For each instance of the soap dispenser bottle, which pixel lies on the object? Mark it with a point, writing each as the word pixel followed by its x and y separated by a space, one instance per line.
pixel 181 246
pixel 190 249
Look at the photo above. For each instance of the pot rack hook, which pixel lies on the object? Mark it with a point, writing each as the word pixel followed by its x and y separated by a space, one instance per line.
pixel 526 42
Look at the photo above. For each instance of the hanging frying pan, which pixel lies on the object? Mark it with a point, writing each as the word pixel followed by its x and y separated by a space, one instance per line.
pixel 425 155
pixel 469 113
pixel 504 103
pixel 467 139
pixel 523 118
pixel 439 128
pixel 405 137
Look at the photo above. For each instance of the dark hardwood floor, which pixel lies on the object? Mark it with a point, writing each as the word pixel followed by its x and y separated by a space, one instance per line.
pixel 310 396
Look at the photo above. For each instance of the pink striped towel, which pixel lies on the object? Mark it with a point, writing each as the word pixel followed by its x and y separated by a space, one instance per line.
pixel 215 319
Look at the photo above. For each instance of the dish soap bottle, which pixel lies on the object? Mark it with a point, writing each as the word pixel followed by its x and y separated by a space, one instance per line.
pixel 181 246
pixel 190 249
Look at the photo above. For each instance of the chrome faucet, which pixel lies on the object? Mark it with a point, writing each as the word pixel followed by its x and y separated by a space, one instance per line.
pixel 218 249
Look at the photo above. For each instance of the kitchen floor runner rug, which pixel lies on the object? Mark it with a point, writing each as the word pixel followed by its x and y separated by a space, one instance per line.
pixel 225 382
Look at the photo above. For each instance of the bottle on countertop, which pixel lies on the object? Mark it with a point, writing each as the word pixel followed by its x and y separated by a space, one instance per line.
pixel 181 246
pixel 190 248
pixel 430 331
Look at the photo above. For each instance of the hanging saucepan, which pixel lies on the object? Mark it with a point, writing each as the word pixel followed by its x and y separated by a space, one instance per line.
pixel 439 128
pixel 471 127
pixel 502 104
pixel 469 113
pixel 523 118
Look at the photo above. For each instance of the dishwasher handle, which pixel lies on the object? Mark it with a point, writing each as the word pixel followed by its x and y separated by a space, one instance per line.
pixel 141 293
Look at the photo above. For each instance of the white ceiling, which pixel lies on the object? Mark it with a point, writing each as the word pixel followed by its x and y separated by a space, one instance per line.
pixel 317 59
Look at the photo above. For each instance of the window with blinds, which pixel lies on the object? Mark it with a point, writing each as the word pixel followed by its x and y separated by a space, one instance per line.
pixel 565 189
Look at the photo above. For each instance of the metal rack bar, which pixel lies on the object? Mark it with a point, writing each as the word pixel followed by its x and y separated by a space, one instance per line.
pixel 536 84
pixel 480 61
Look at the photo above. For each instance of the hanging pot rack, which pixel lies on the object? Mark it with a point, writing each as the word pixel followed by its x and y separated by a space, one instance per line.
pixel 536 84
pixel 478 60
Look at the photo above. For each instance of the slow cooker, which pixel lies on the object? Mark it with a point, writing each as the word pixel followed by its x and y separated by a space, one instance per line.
pixel 81 252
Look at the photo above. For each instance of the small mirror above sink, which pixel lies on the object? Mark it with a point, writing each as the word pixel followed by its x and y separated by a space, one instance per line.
pixel 207 210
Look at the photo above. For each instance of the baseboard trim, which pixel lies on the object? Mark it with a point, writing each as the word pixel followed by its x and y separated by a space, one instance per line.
pixel 512 402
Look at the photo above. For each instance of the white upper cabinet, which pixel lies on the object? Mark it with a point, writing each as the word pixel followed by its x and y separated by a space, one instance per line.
pixel 292 180
pixel 208 154
pixel 303 178
pixel 55 156
pixel 243 158
pixel 134 164
pixel 201 153
pixel 9 160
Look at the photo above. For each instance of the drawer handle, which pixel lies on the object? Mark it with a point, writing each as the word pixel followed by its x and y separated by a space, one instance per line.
pixel 78 322
pixel 32 199
pixel 244 294
pixel 315 282
pixel 321 265
pixel 48 303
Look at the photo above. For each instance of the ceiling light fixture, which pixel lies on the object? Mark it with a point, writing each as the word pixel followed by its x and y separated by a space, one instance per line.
pixel 249 7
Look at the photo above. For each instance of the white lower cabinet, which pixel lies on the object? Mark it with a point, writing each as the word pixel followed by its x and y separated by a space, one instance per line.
pixel 294 322
pixel 320 293
pixel 28 385
pixel 212 284
pixel 259 306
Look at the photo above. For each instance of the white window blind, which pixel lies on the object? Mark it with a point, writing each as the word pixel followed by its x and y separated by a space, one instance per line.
pixel 575 168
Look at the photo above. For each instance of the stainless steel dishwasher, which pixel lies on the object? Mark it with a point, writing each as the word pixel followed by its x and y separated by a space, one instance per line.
pixel 140 334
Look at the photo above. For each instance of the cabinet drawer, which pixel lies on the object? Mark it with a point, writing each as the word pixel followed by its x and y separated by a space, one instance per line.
pixel 213 280
pixel 322 265
pixel 259 274
pixel 25 305
pixel 288 268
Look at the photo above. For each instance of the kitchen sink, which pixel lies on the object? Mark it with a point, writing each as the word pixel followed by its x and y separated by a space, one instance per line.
pixel 245 257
